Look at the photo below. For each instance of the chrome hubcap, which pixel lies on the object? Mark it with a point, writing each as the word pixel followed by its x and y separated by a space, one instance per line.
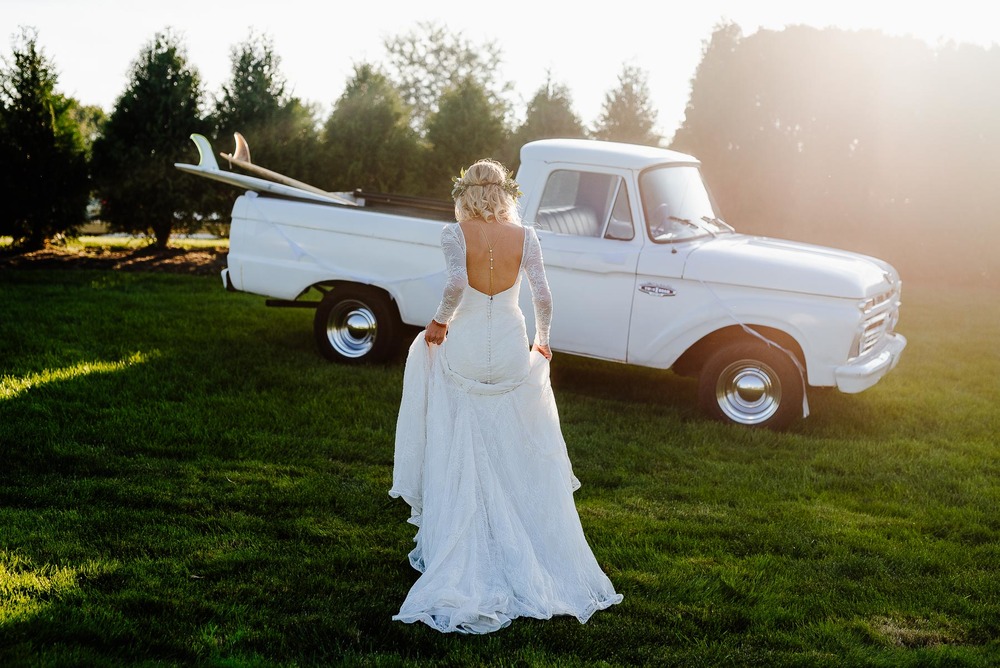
pixel 351 328
pixel 748 392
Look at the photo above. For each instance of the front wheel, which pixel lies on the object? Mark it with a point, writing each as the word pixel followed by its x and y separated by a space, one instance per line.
pixel 356 324
pixel 751 384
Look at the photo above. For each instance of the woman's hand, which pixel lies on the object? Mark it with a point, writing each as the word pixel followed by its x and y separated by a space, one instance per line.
pixel 543 350
pixel 435 333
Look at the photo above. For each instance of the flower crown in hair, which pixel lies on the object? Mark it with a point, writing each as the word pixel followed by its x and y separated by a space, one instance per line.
pixel 509 185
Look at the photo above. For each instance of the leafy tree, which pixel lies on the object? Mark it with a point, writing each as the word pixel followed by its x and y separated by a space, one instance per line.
pixel 466 127
pixel 45 188
pixel 279 128
pixel 146 133
pixel 855 139
pixel 367 140
pixel 709 105
pixel 628 114
pixel 550 114
pixel 806 109
pixel 89 119
pixel 428 61
pixel 714 123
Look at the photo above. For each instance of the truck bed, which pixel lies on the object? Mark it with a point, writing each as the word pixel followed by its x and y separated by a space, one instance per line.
pixel 406 205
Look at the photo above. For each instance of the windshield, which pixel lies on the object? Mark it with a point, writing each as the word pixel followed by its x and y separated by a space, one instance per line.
pixel 677 206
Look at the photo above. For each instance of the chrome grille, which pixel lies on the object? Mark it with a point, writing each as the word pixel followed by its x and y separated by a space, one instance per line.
pixel 880 313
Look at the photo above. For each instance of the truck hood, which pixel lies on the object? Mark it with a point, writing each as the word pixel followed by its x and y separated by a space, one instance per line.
pixel 776 264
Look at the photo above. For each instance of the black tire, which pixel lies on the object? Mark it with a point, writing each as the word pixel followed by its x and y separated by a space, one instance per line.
pixel 356 324
pixel 752 384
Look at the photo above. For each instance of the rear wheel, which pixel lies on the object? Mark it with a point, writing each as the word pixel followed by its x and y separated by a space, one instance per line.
pixel 751 384
pixel 356 324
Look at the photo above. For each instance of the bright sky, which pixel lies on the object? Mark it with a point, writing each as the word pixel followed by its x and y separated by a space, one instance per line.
pixel 584 45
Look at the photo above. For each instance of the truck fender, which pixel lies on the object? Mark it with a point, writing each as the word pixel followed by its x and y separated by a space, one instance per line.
pixel 689 351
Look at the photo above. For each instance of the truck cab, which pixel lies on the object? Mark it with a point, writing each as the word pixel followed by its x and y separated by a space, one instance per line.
pixel 636 249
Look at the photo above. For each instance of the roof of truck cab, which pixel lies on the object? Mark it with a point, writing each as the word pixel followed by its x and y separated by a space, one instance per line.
pixel 603 153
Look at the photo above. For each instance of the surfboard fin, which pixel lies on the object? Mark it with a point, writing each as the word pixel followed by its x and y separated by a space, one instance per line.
pixel 205 158
pixel 242 151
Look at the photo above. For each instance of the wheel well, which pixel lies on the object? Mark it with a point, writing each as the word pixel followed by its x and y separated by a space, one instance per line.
pixel 691 362
pixel 325 287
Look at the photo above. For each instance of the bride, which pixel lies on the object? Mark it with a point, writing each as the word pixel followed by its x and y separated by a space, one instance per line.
pixel 479 454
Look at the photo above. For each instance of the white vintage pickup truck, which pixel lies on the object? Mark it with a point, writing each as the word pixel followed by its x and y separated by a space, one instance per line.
pixel 642 269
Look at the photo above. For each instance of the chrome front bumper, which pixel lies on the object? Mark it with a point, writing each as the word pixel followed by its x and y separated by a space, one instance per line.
pixel 865 372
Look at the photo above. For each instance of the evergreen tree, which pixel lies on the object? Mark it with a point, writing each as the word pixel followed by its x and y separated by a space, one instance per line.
pixel 146 133
pixel 45 188
pixel 466 127
pixel 550 115
pixel 279 128
pixel 255 92
pixel 627 114
pixel 367 140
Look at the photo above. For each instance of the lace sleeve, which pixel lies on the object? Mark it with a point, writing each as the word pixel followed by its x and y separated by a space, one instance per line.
pixel 541 297
pixel 453 245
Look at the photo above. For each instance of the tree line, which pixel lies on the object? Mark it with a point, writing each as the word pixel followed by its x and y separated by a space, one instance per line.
pixel 874 143
pixel 407 125
pixel 856 139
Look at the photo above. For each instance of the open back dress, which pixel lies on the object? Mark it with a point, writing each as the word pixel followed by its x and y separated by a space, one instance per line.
pixel 481 461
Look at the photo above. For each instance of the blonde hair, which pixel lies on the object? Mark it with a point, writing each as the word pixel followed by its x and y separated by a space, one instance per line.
pixel 486 190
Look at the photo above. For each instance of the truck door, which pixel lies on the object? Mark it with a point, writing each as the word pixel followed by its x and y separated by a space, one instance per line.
pixel 591 247
pixel 678 216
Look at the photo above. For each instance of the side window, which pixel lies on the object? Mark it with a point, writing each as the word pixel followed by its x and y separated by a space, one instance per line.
pixel 620 226
pixel 560 189
pixel 577 203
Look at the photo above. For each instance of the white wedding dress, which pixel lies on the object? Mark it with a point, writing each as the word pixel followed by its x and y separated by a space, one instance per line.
pixel 481 460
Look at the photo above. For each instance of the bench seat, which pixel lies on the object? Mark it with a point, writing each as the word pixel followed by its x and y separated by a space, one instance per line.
pixel 578 220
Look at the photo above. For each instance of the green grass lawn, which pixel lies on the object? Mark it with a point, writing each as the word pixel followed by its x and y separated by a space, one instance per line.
pixel 183 480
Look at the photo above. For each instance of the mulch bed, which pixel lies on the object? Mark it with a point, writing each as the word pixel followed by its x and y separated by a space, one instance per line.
pixel 200 261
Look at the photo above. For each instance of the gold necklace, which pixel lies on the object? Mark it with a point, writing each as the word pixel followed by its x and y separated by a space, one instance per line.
pixel 490 247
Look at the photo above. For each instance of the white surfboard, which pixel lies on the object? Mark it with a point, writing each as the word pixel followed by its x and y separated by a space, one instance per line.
pixel 209 168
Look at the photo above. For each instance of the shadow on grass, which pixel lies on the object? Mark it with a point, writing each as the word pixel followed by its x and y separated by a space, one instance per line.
pixel 225 501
